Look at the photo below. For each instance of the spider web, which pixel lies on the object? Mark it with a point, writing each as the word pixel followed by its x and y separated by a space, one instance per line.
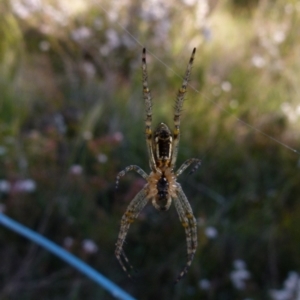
pixel 198 92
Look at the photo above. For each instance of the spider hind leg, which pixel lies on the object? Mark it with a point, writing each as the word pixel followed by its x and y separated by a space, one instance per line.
pixel 126 265
pixel 124 262
pixel 189 223
pixel 132 212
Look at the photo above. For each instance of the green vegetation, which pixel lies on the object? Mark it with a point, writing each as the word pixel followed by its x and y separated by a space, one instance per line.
pixel 71 117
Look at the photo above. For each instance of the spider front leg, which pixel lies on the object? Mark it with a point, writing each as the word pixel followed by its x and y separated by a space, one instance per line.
pixel 178 108
pixel 132 212
pixel 128 169
pixel 186 164
pixel 148 106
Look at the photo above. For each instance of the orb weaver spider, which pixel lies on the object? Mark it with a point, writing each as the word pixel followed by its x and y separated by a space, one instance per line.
pixel 161 187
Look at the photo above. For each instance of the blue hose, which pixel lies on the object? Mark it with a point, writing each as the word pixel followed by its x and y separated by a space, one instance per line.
pixel 66 256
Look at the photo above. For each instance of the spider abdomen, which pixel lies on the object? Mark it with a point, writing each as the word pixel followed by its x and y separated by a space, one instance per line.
pixel 162 197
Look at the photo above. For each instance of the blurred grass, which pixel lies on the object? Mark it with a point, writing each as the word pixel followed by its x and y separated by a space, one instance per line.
pixel 72 117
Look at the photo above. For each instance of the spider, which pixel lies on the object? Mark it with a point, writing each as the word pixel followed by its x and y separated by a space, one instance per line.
pixel 161 187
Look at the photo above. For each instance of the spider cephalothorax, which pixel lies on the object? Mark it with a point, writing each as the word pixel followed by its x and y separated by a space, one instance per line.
pixel 161 186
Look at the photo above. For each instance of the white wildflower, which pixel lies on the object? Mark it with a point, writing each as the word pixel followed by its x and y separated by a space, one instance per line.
pixel 204 284
pixel 239 275
pixel 102 158
pixel 76 170
pixel 4 186
pixel 211 232
pixel 81 33
pixel 89 246
pixel 3 150
pixel 25 185
pixel 258 61
pixel 226 86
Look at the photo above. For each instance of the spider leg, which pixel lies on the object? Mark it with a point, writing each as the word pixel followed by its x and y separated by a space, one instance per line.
pixel 127 260
pixel 190 226
pixel 185 223
pixel 178 108
pixel 128 169
pixel 132 212
pixel 186 164
pixel 148 105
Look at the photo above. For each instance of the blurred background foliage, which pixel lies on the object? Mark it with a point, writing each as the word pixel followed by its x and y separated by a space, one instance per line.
pixel 72 116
